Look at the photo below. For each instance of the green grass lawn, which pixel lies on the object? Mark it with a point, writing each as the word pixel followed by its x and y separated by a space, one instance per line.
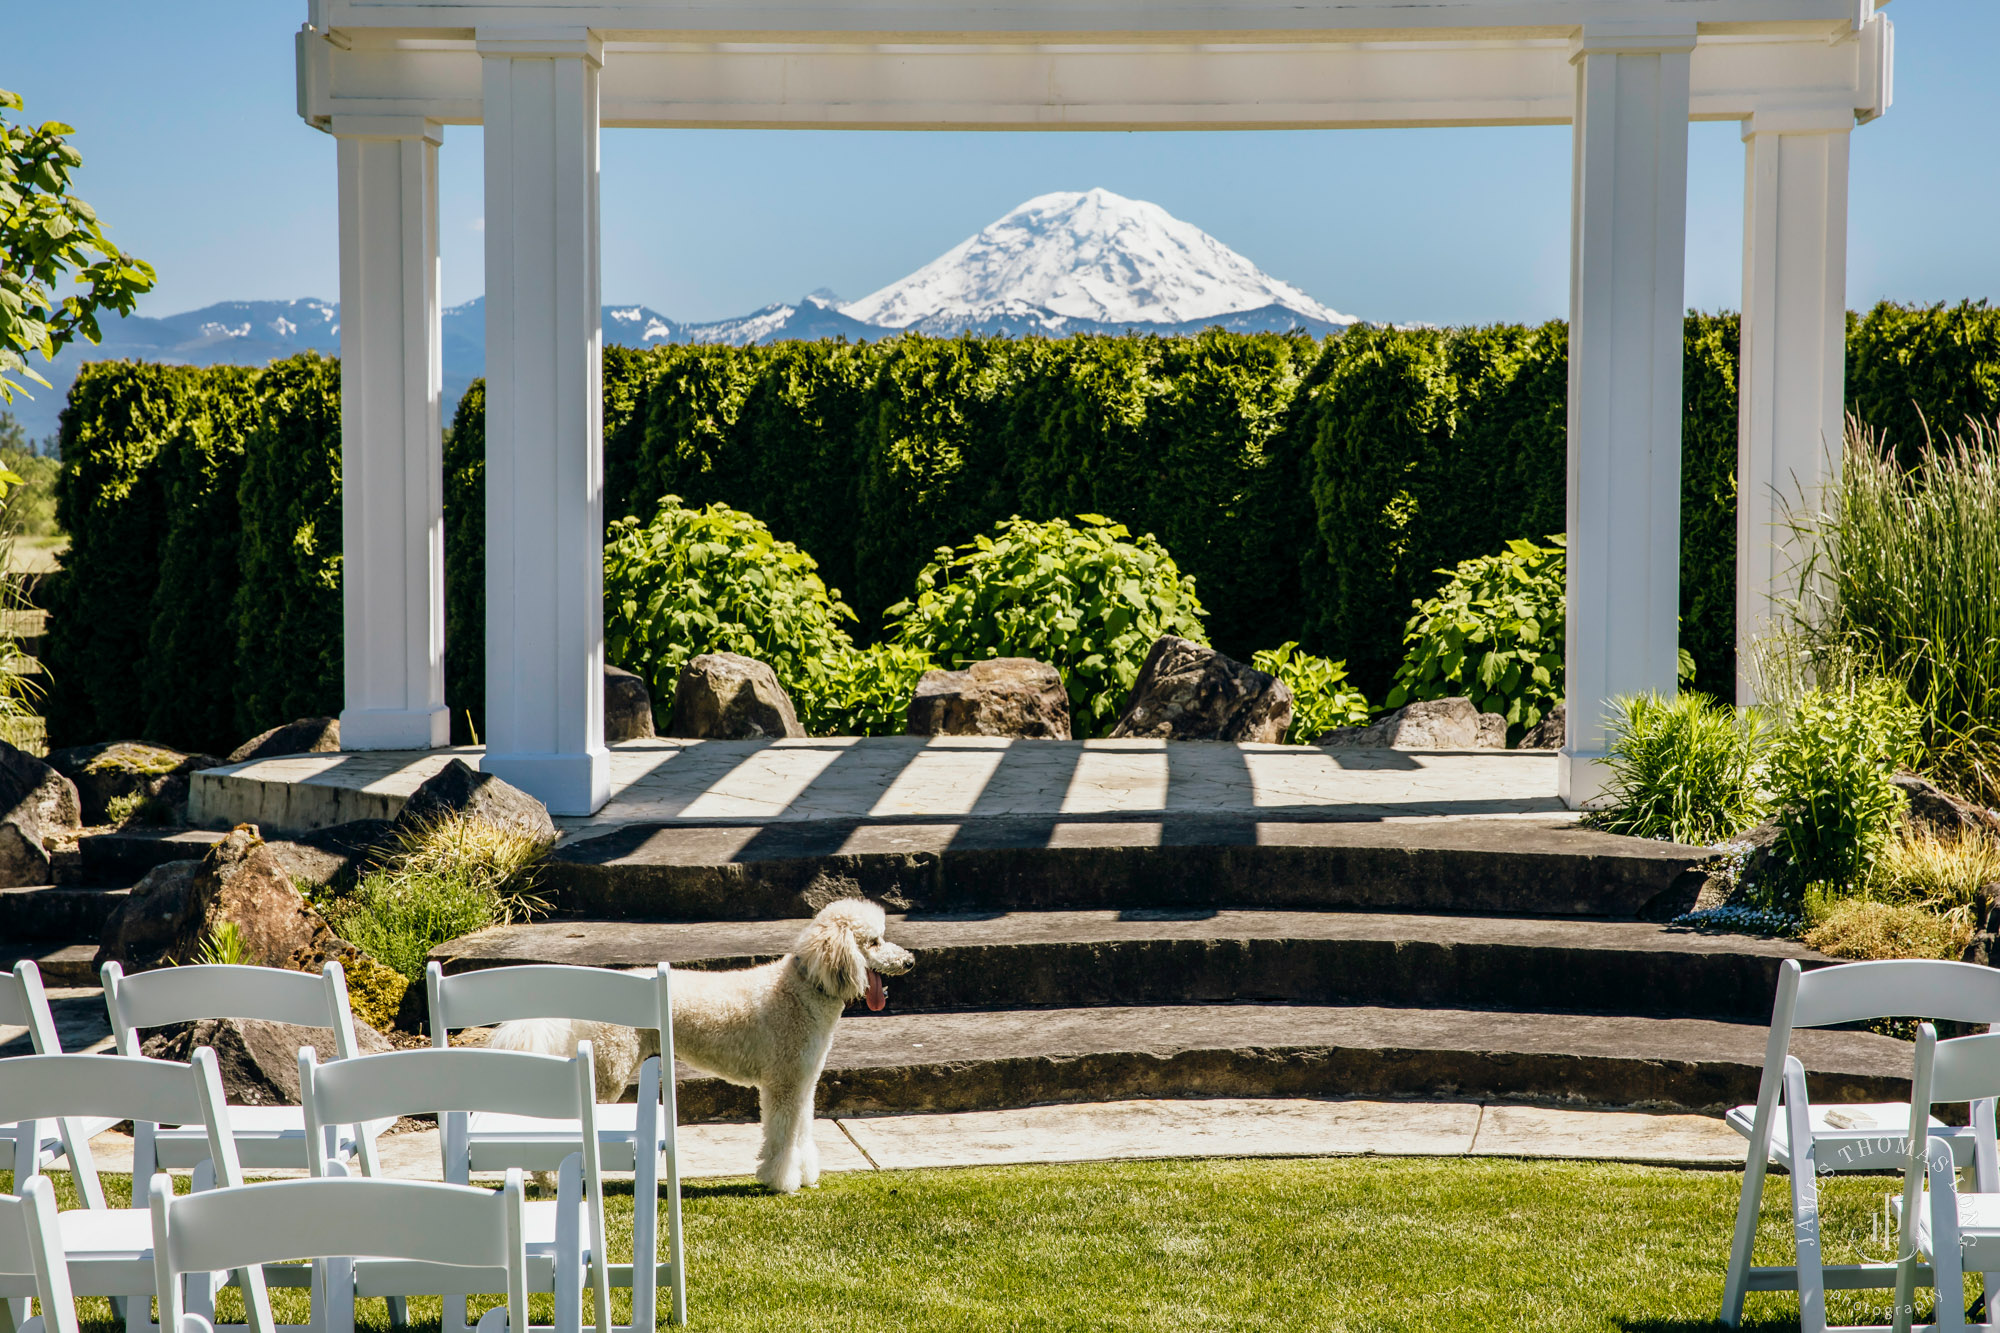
pixel 1365 1244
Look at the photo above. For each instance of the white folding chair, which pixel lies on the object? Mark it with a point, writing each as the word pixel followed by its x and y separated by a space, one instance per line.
pixel 30 1242
pixel 1953 1231
pixel 474 1231
pixel 562 1238
pixel 267 1137
pixel 23 1003
pixel 495 1142
pixel 1843 1137
pixel 109 1250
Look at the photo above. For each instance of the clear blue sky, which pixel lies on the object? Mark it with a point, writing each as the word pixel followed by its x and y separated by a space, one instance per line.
pixel 195 155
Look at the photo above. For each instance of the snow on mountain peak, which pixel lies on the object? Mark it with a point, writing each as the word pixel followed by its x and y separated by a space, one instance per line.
pixel 1090 255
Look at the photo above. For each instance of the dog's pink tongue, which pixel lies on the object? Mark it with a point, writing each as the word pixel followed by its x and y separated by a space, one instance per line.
pixel 878 994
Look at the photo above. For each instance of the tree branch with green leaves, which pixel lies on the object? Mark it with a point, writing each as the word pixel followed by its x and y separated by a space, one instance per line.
pixel 58 269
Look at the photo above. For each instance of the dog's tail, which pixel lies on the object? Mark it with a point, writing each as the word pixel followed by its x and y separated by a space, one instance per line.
pixel 540 1036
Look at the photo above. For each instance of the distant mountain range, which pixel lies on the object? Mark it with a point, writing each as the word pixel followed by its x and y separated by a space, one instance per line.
pixel 1073 262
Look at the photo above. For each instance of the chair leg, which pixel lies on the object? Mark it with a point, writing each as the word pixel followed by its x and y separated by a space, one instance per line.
pixel 200 1286
pixel 569 1247
pixel 13 1314
pixel 1805 1202
pixel 1749 1205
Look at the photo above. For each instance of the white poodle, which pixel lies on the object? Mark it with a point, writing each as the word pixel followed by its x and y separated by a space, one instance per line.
pixel 765 1027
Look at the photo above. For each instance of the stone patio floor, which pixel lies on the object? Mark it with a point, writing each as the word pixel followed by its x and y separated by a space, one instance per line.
pixel 1112 1131
pixel 910 777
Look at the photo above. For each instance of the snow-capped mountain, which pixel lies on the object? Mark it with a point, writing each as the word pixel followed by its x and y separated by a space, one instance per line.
pixel 1092 259
pixel 1089 262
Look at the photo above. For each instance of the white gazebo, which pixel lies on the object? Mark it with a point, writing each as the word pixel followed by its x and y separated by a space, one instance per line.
pixel 383 76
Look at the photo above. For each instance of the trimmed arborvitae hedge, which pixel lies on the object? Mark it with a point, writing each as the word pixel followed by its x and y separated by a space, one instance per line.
pixel 1311 488
pixel 192 706
pixel 465 562
pixel 1918 371
pixel 288 608
pixel 109 499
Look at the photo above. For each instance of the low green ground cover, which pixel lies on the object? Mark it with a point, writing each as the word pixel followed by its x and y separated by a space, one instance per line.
pixel 1371 1245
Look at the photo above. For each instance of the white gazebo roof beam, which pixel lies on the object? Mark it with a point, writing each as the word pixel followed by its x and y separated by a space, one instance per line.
pixel 671 84
pixel 1055 19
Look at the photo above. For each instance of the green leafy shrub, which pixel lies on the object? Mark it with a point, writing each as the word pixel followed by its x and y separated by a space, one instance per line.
pixel 288 624
pixel 864 692
pixel 1322 696
pixel 1684 768
pixel 1494 633
pixel 1087 599
pixel 1829 775
pixel 708 580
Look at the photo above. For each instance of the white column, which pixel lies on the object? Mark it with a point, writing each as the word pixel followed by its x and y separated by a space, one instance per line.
pixel 1794 357
pixel 544 454
pixel 1628 223
pixel 391 450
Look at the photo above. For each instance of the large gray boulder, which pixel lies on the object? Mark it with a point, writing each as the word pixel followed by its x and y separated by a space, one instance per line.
pixel 308 735
pixel 1002 696
pixel 1550 732
pixel 180 908
pixel 142 932
pixel 628 707
pixel 460 789
pixel 1433 724
pixel 36 803
pixel 258 1060
pixel 1931 809
pixel 1189 692
pixel 729 697
pixel 112 770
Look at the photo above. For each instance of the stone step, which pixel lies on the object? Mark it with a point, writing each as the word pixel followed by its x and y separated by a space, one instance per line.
pixel 67 965
pixel 997 1060
pixel 59 911
pixel 754 871
pixel 125 855
pixel 1078 959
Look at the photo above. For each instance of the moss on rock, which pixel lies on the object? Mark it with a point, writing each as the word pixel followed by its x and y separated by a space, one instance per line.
pixel 374 991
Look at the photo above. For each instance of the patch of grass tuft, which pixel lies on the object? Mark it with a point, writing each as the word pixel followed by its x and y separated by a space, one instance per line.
pixel 1683 768
pixel 440 880
pixel 1869 928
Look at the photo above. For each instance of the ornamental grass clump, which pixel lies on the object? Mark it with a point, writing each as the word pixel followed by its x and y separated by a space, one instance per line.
pixel 1322 696
pixel 437 881
pixel 1902 579
pixel 1086 597
pixel 1493 633
pixel 1683 768
pixel 1917 902
pixel 1865 929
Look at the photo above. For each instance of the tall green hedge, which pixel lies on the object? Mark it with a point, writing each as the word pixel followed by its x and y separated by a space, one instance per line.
pixel 288 607
pixel 192 705
pixel 1919 371
pixel 465 565
pixel 110 498
pixel 1312 488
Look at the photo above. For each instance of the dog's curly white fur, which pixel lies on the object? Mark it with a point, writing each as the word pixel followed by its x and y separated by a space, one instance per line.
pixel 765 1027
